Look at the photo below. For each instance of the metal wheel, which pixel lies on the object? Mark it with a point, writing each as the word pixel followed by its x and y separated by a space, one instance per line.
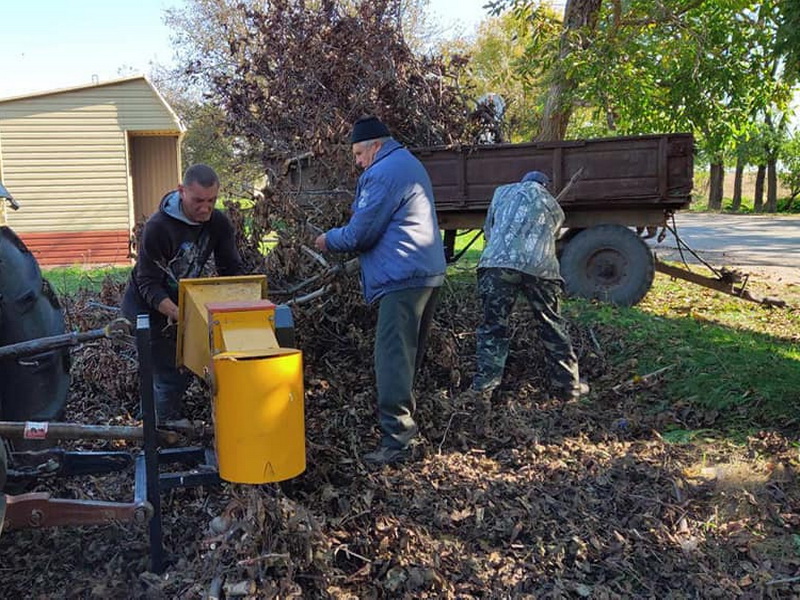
pixel 609 263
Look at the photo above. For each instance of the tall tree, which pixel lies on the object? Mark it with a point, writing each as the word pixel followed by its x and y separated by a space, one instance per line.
pixel 500 65
pixel 788 35
pixel 580 23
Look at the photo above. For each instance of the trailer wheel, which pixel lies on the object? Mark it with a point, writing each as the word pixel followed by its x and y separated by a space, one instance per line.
pixel 608 262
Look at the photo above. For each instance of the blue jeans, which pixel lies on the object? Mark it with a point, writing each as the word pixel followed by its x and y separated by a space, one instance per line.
pixel 169 383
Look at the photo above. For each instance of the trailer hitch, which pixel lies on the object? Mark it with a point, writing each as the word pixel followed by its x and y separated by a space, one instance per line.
pixel 726 280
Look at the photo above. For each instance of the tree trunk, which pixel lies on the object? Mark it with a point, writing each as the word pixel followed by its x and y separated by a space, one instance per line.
pixel 772 186
pixel 715 179
pixel 737 185
pixel 772 179
pixel 790 202
pixel 556 114
pixel 578 14
pixel 758 195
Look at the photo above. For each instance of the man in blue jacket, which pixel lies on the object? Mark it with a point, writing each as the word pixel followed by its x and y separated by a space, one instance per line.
pixel 395 231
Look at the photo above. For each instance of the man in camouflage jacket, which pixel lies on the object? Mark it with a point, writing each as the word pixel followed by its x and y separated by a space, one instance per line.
pixel 521 228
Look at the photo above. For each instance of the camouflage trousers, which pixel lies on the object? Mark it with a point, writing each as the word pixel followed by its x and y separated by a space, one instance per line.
pixel 498 289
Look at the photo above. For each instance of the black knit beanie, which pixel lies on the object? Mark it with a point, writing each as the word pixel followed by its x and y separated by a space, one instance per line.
pixel 368 128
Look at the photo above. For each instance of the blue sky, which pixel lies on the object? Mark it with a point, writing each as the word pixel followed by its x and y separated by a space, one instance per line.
pixel 52 44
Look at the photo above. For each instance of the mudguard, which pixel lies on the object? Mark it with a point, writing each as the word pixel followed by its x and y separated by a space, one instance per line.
pixel 32 388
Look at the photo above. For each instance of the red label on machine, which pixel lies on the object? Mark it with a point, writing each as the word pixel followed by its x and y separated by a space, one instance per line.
pixel 35 431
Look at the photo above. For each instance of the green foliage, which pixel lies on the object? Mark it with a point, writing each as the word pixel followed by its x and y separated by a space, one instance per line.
pixel 788 35
pixel 499 64
pixel 207 141
pixel 790 164
pixel 711 68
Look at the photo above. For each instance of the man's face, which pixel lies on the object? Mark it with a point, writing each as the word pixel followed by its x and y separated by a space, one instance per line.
pixel 198 201
pixel 364 152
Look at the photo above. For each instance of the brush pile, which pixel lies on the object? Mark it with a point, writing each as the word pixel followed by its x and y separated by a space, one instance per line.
pixel 532 499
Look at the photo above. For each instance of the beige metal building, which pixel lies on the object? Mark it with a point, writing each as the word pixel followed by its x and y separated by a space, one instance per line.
pixel 86 164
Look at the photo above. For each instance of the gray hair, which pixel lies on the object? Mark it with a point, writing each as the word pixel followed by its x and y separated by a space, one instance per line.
pixel 382 140
pixel 201 174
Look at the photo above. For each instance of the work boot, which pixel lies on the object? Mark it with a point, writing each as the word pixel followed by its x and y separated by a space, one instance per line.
pixel 573 395
pixel 383 455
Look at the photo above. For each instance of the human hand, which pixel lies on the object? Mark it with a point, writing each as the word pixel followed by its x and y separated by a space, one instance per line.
pixel 320 243
pixel 169 309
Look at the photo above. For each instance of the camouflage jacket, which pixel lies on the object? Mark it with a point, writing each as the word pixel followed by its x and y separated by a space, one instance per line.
pixel 521 229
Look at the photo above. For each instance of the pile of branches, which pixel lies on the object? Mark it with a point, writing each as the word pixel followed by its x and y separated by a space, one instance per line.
pixel 296 77
pixel 302 75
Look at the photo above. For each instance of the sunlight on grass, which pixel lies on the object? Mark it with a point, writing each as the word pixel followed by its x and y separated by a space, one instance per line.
pixel 730 355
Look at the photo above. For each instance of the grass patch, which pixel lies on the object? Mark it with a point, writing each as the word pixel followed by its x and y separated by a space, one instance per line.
pixel 70 280
pixel 726 355
pixel 464 267
pixel 784 205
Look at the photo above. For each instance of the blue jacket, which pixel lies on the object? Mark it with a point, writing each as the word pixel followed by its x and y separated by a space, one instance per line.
pixel 394 226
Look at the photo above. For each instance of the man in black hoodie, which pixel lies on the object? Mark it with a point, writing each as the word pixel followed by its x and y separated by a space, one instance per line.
pixel 176 243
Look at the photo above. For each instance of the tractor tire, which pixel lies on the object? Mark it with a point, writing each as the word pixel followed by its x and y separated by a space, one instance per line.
pixel 609 263
pixel 3 468
pixel 32 388
pixel 3 473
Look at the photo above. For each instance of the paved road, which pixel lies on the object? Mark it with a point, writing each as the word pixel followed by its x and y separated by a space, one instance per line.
pixel 751 243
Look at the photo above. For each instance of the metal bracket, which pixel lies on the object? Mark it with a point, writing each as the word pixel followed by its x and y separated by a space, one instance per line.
pixel 150 481
pixel 38 509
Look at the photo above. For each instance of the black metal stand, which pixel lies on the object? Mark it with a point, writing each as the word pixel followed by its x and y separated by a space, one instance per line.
pixel 150 482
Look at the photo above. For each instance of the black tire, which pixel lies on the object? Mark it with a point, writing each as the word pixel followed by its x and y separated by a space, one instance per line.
pixel 32 388
pixel 609 263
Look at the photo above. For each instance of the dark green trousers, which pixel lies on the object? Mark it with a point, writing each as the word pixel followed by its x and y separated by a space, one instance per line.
pixel 404 318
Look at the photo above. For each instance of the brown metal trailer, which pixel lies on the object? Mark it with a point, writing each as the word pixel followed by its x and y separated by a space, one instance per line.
pixel 621 187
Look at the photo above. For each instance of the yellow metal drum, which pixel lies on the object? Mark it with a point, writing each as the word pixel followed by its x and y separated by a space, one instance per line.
pixel 226 332
pixel 258 415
